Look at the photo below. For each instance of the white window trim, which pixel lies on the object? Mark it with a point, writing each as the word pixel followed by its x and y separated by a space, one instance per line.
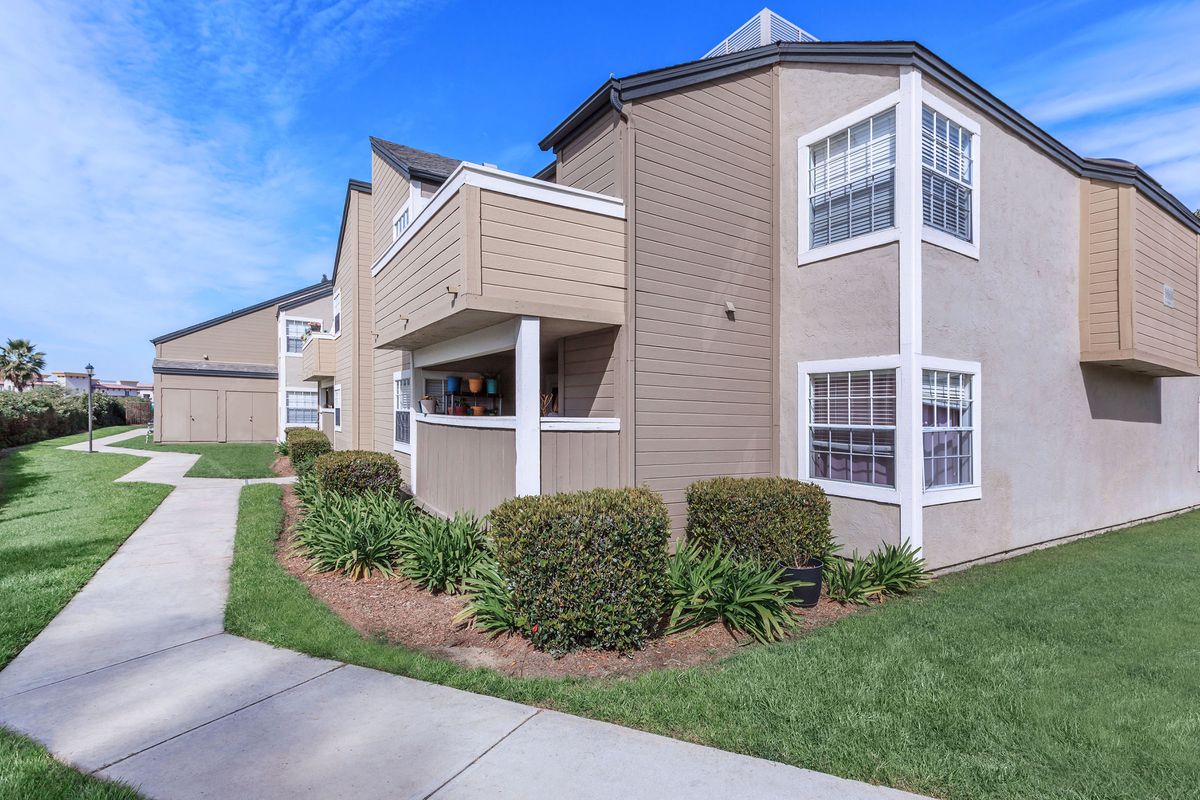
pixel 974 491
pixel 314 425
pixel 402 447
pixel 941 238
pixel 858 491
pixel 408 206
pixel 335 316
pixel 337 406
pixel 283 344
pixel 807 253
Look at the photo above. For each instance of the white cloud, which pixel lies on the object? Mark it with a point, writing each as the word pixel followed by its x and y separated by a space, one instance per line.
pixel 142 188
pixel 1126 87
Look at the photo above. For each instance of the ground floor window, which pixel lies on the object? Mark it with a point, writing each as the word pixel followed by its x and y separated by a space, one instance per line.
pixel 852 426
pixel 301 408
pixel 337 408
pixel 948 428
pixel 402 405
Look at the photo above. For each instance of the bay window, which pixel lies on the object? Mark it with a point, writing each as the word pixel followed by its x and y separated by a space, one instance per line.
pixel 852 426
pixel 948 428
pixel 852 181
pixel 947 175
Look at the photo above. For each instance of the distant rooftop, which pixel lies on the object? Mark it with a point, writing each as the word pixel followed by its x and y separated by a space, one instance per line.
pixel 765 27
pixel 417 163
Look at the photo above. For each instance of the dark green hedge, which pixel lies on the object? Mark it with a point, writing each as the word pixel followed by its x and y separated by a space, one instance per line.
pixel 304 447
pixel 764 519
pixel 587 569
pixel 358 471
pixel 50 411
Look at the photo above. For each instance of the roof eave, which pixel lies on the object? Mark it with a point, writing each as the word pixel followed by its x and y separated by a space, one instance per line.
pixel 241 312
pixel 351 186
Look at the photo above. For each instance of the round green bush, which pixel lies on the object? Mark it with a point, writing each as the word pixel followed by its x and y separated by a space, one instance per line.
pixel 587 569
pixel 304 447
pixel 358 471
pixel 768 520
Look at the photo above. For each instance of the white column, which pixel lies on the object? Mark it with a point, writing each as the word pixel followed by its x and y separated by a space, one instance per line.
pixel 910 467
pixel 528 405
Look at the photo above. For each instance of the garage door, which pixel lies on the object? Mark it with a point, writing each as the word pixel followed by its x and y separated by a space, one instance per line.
pixel 250 416
pixel 189 415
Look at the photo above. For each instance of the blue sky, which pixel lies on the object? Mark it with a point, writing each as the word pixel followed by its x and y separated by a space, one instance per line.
pixel 167 162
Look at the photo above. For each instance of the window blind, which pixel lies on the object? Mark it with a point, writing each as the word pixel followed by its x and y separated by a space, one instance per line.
pixel 852 181
pixel 852 426
pixel 947 178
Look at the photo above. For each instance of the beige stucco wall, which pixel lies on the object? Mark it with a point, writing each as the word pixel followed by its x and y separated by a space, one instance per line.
pixel 839 308
pixel 1066 448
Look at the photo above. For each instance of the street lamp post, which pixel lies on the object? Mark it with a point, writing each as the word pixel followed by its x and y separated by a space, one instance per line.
pixel 90 371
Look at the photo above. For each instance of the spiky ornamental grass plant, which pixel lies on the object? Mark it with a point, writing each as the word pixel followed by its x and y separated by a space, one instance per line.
pixel 490 604
pixel 439 554
pixel 706 587
pixel 891 569
pixel 355 535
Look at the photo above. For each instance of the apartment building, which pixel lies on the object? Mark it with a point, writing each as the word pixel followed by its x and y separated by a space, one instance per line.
pixel 788 257
pixel 236 378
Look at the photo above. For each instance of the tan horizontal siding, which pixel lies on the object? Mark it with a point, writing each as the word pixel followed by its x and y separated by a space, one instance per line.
pixel 703 188
pixel 389 193
pixel 1164 253
pixel 589 160
pixel 548 253
pixel 589 369
pixel 465 469
pixel 415 280
pixel 249 339
pixel 576 460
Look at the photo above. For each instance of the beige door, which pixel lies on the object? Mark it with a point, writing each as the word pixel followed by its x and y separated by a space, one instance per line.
pixel 203 415
pixel 175 415
pixel 239 416
pixel 266 411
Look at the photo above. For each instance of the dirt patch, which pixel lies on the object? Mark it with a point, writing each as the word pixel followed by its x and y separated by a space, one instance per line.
pixel 399 612
pixel 283 467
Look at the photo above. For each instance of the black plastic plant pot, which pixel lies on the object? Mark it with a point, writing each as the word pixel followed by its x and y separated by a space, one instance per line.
pixel 810 573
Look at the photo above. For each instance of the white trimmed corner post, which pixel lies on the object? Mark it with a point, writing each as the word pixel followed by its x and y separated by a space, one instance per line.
pixel 529 420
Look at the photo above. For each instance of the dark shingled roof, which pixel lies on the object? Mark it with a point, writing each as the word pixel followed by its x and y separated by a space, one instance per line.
pixel 416 163
pixel 166 366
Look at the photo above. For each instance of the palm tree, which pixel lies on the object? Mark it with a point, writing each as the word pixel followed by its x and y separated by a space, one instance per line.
pixel 20 363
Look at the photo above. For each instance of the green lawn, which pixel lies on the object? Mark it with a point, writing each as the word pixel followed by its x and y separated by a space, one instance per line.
pixel 1067 673
pixel 61 517
pixel 218 460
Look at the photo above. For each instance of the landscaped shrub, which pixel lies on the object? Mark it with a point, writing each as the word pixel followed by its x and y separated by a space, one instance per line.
pixel 490 604
pixel 50 411
pixel 708 587
pixel 891 569
pixel 587 569
pixel 439 554
pixel 357 471
pixel 305 448
pixel 770 520
pixel 353 534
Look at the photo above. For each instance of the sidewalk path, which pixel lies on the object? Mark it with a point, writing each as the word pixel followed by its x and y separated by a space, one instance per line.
pixel 136 680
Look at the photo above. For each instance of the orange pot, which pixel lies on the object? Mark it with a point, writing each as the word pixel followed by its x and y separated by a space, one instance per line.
pixel 477 411
pixel 475 385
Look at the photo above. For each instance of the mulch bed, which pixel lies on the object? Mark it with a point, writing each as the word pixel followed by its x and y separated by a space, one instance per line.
pixel 283 467
pixel 400 612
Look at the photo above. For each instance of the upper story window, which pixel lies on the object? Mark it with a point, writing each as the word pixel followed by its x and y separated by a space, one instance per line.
pixel 852 426
pixel 401 222
pixel 296 329
pixel 947 175
pixel 852 181
pixel 337 311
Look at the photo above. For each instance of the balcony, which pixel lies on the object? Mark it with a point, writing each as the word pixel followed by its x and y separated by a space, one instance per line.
pixel 491 246
pixel 1139 304
pixel 317 360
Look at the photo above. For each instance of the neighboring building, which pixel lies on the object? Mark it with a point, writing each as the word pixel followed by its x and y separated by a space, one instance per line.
pixel 236 377
pixel 71 381
pixel 787 258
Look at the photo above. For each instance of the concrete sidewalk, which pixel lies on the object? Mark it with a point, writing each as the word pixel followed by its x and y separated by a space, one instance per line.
pixel 136 680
